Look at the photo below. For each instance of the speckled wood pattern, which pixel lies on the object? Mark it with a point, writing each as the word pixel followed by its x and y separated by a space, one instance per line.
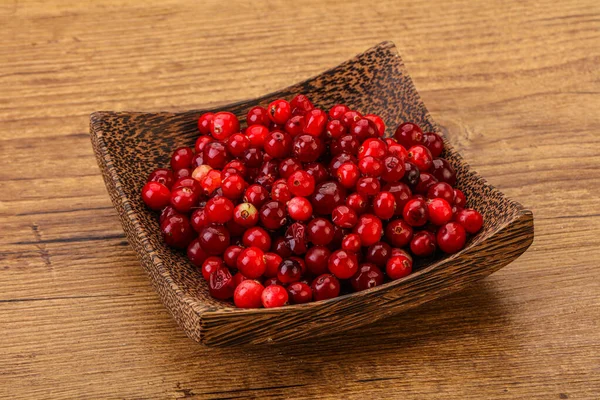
pixel 128 145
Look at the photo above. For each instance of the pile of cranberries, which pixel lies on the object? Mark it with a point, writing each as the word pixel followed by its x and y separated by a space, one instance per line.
pixel 302 205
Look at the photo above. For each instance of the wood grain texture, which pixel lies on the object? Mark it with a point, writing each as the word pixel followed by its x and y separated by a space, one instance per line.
pixel 128 144
pixel 515 86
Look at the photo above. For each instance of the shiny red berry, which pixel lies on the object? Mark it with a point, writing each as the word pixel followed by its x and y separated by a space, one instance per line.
pixel 345 144
pixel 301 183
pixel 378 254
pixel 273 215
pixel 295 125
pixel 279 111
pixel 424 183
pixel 451 237
pixel 398 267
pixel 272 261
pixel 317 259
pixel 369 228
pixel 373 147
pixel 231 254
pixel 368 186
pixel 195 254
pixel 245 214
pixel 219 210
pixel 223 125
pixel 248 294
pixel 301 105
pixel 204 123
pixel 398 233
pixel 441 190
pixel 335 129
pixel 358 203
pixel 393 169
pixel 258 116
pixel 443 171
pixel 368 276
pixel 351 242
pixel 156 195
pixel 181 158
pixel 415 212
pixel 307 148
pixel 343 264
pixel 299 293
pixel 251 262
pixel 325 287
pixel 376 119
pixel 459 198
pixel 326 197
pixel 350 117
pixel 439 211
pixel 299 209
pixel 278 144
pixel 434 143
pixel 288 166
pixel 210 265
pixel 470 219
pixel 423 244
pixel 274 296
pixel 317 171
pixel 162 175
pixel 257 134
pixel 220 284
pixel 214 239
pixel 296 236
pixel 409 134
pixel 257 195
pixel 289 271
pixel 315 122
pixel 320 231
pixel 257 237
pixel 183 199
pixel 384 205
pixel 421 157
pixel 344 216
pixel 338 111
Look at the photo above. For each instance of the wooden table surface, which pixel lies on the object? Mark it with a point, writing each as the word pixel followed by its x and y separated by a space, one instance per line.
pixel 516 85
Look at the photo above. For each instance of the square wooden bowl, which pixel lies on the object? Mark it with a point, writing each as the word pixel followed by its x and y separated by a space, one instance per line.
pixel 130 144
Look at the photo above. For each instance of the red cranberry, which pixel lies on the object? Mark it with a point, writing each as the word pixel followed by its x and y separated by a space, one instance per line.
pixel 295 125
pixel 343 264
pixel 316 259
pixel 348 174
pixel 423 244
pixel 223 125
pixel 317 171
pixel 281 247
pixel 274 296
pixel 376 119
pixel 253 157
pixel 220 284
pixel 459 198
pixel 393 169
pixel 231 254
pixel 335 129
pixel 384 205
pixel 177 231
pixel 344 217
pixel 258 115
pixel 307 148
pixel 409 134
pixel 301 105
pixel 441 190
pixel 279 111
pixel 340 159
pixel 426 181
pixel 371 166
pixel 439 211
pixel 338 236
pixel 183 199
pixel 162 175
pixel 378 254
pixel 451 237
pixel 315 122
pixel 350 117
pixel 326 197
pixel 280 191
pixel 214 239
pixel 251 262
pixel 299 293
pixel 338 111
pixel 219 210
pixel 233 187
pixel 301 183
pixel 201 142
pixel 396 149
pixel 373 147
pixel 204 123
pixel 299 209
pixel 398 267
pixel 344 144
pixel 421 157
pixel 351 242
pixel 156 195
pixel 257 237
pixel 188 182
pixel 248 294
pixel 215 155
pixel 398 233
pixel 289 271
pixel 273 215
pixel 296 237
pixel 288 166
pixel 443 171
pixel 237 144
pixel 411 174
pixel 237 279
pixel 200 172
pixel 470 219
pixel 211 182
pixel 199 219
pixel 278 144
pixel 368 276
pixel 400 252
pixel 358 203
pixel 325 287
pixel 257 135
pixel 368 186
pixel 211 264
pixel 257 195
pixel 415 212
pixel 434 143
pixel 245 214
pixel 272 261
pixel 369 228
pixel 320 231
pixel 195 253
pixel 182 158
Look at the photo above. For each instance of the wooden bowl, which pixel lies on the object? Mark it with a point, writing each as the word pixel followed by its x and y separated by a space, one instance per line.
pixel 130 144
